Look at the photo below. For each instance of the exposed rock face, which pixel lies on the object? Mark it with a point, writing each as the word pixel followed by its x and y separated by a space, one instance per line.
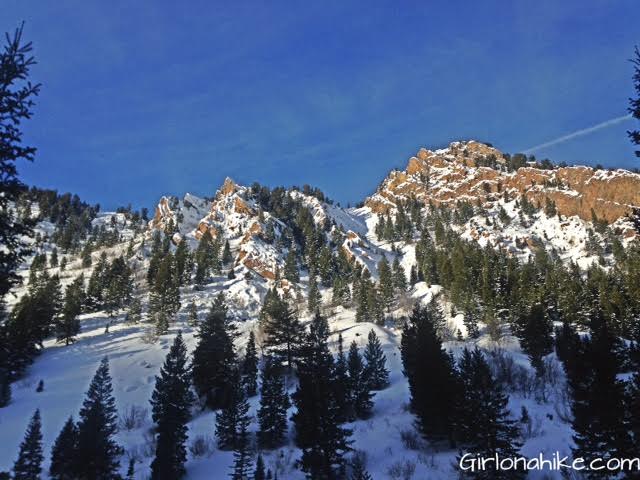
pixel 452 174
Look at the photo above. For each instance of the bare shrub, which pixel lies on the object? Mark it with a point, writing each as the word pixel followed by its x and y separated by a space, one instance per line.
pixel 202 446
pixel 133 417
pixel 402 470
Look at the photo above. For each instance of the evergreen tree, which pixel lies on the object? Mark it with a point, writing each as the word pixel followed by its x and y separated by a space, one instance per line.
pixel 17 95
pixel 282 328
pixel 274 403
pixel 227 258
pixel 29 463
pixel 214 358
pixel 359 386
pixel 318 433
pixel 358 471
pixel 192 314
pixel 634 103
pixel 291 267
pixel 535 331
pixel 241 456
pixel 206 257
pixel 376 369
pixel 67 324
pixel 314 301
pixel 386 282
pixel 97 453
pixel 233 419
pixel 433 389
pixel 471 322
pixel 484 425
pixel 171 403
pixel 183 263
pixel 258 473
pixel 63 453
pixel 164 298
pixel 5 379
pixel 399 276
pixel 341 386
pixel 134 314
pixel 250 367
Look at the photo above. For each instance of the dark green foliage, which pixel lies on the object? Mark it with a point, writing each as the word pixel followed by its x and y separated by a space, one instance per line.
pixel 16 103
pixel 376 369
pixel 274 402
pixel 291 267
pixel 171 403
pixel 359 386
pixel 164 298
pixel 183 263
pixel 29 463
pixel 342 387
pixel 483 424
pixel 282 328
pixel 227 258
pixel 386 285
pixel 433 390
pixel 134 314
pixel 250 367
pixel 634 103
pixel 399 276
pixel 233 418
pixel 314 300
pixel 534 330
pixel 214 358
pixel 97 453
pixel 318 433
pixel 241 456
pixel 63 452
pixel 258 473
pixel 206 258
pixel 67 324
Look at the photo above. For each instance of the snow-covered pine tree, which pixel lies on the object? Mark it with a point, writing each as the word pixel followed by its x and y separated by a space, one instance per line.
pixel 233 418
pixel 318 433
pixel 171 403
pixel 359 387
pixel 376 363
pixel 291 272
pixel 64 451
pixel 274 403
pixel 314 300
pixel 97 453
pixel 67 325
pixel 250 367
pixel 29 463
pixel 214 358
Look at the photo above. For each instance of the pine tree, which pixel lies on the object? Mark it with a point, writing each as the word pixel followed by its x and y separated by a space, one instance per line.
pixel 386 282
pixel 192 314
pixel 183 263
pixel 274 403
pixel 282 328
pixel 535 331
pixel 314 301
pixel 17 101
pixel 341 386
pixel 291 267
pixel 258 473
pixel 433 389
pixel 358 471
pixel 484 425
pixel 241 456
pixel 206 257
pixel 97 453
pixel 227 258
pixel 171 403
pixel 29 463
pixel 134 314
pixel 233 418
pixel 214 358
pixel 67 324
pixel 471 322
pixel 399 276
pixel 63 453
pixel 164 298
pixel 376 368
pixel 359 387
pixel 318 433
pixel 250 367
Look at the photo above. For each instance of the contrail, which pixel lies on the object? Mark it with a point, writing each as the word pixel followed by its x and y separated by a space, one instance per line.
pixel 579 133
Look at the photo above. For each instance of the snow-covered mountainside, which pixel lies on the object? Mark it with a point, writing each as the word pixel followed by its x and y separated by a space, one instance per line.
pixel 303 245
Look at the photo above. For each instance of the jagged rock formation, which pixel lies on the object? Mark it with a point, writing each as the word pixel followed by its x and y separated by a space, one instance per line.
pixel 453 174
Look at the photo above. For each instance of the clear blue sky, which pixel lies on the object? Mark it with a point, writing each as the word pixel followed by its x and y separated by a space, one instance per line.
pixel 143 98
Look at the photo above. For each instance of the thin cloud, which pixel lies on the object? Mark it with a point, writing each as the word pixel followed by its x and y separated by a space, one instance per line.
pixel 579 133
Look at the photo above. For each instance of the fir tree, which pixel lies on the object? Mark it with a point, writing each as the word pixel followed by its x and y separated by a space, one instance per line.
pixel 358 471
pixel 63 453
pixel 183 263
pixel 282 328
pixel 171 402
pixel 67 324
pixel 134 314
pixel 258 473
pixel 97 453
pixel 376 369
pixel 341 386
pixel 386 282
pixel 164 298
pixel 359 387
pixel 484 425
pixel 241 456
pixel 634 103
pixel 433 389
pixel 250 367
pixel 314 301
pixel 227 258
pixel 192 314
pixel 534 332
pixel 206 257
pixel 318 433
pixel 399 276
pixel 233 419
pixel 29 463
pixel 214 358
pixel 291 267
pixel 274 403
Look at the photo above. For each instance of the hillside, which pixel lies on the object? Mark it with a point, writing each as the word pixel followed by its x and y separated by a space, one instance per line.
pixel 474 230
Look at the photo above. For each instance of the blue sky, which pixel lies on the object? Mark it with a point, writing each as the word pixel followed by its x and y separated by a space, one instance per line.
pixel 152 97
